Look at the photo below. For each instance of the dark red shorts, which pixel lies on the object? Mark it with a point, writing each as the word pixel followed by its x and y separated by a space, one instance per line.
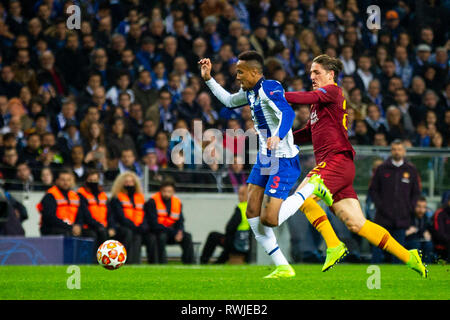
pixel 338 173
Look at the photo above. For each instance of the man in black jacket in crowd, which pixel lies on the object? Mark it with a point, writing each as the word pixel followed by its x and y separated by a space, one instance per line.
pixel 394 188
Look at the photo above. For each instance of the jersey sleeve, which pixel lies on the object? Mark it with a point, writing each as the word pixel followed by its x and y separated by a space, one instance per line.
pixel 326 94
pixel 234 100
pixel 275 95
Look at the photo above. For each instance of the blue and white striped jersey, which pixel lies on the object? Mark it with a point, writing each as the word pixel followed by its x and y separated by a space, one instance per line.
pixel 271 113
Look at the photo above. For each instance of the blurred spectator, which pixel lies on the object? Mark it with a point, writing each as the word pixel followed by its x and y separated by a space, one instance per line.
pixel 159 75
pixel 394 188
pixel 441 231
pixel 236 176
pixel 61 210
pixel 9 86
pixel 143 91
pixel 99 220
pixel 12 215
pixel 401 100
pixel 162 149
pixel 68 139
pixel 356 102
pixel 188 108
pixel 395 127
pixel 209 116
pixel 421 137
pixel 179 172
pixel 46 178
pixel 132 225
pixel 24 72
pixel 68 112
pixel 100 65
pixel 122 85
pixel 69 59
pixel 375 122
pixel 418 235
pixel 4 111
pixel 302 117
pixel 77 163
pixel 236 238
pixel 30 153
pixel 23 181
pixel 9 162
pixel 146 138
pixel 127 162
pixel 118 140
pixel 164 212
pixel 361 137
pixel 347 60
pixel 261 41
pixel 423 52
pixel 49 73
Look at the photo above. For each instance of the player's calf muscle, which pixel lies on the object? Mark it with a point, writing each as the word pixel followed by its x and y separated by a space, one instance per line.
pixel 255 197
pixel 353 221
pixel 269 213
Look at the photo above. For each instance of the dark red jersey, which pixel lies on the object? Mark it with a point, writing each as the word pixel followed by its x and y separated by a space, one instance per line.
pixel 327 125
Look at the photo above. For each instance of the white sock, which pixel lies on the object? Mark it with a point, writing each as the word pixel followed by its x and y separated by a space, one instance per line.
pixel 266 238
pixel 292 203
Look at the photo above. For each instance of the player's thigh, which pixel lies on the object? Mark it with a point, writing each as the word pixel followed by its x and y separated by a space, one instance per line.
pixel 254 200
pixel 350 213
pixel 269 210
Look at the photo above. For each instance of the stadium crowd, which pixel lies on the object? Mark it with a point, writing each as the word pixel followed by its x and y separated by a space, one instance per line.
pixel 109 94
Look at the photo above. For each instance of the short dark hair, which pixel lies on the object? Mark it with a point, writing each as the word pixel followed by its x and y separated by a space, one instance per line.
pixel 167 182
pixel 329 63
pixel 91 172
pixel 422 198
pixel 64 170
pixel 252 55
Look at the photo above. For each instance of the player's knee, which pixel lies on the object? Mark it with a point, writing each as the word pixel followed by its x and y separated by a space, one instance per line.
pixel 354 225
pixel 251 212
pixel 269 221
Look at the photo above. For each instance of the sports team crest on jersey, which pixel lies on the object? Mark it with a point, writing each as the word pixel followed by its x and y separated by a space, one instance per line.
pixel 405 178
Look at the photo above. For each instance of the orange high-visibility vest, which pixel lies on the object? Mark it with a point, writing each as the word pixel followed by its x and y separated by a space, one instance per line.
pixel 66 210
pixel 98 209
pixel 136 213
pixel 164 217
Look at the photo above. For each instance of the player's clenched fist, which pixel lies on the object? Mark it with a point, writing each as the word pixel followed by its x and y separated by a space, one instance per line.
pixel 205 68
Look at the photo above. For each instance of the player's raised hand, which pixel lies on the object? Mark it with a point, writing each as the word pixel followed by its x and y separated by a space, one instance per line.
pixel 205 68
pixel 272 142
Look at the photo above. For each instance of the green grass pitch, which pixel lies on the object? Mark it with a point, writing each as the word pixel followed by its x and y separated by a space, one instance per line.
pixel 227 282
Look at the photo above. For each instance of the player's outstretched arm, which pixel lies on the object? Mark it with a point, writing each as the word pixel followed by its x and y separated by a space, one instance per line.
pixel 235 100
pixel 324 94
pixel 299 97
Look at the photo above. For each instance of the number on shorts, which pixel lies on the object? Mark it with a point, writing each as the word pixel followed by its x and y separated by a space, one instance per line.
pixel 317 168
pixel 276 181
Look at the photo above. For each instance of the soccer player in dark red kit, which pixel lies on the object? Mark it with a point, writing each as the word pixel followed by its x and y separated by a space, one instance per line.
pixel 327 130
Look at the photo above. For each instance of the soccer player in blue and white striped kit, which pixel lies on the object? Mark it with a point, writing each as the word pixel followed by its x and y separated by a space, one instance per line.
pixel 277 167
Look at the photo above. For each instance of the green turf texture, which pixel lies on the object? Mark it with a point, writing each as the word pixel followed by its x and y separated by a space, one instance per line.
pixel 175 282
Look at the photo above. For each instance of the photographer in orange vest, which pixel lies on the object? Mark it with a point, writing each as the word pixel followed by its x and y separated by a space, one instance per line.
pixel 61 209
pixel 127 207
pixel 98 223
pixel 165 217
